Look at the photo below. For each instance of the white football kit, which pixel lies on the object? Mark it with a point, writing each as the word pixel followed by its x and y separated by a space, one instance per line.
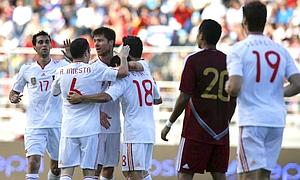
pixel 109 141
pixel 137 93
pixel 263 66
pixel 44 111
pixel 80 121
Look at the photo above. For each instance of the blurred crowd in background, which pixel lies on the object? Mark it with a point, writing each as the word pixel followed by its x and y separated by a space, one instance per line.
pixel 161 23
pixel 168 25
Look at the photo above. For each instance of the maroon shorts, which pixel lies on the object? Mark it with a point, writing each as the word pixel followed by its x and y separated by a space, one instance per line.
pixel 197 157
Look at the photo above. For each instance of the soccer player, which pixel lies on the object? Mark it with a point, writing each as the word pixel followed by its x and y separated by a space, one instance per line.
pixel 204 145
pixel 44 111
pixel 80 123
pixel 257 68
pixel 137 93
pixel 109 148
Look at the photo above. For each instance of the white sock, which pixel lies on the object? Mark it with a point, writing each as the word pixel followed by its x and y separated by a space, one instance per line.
pixel 32 176
pixel 104 178
pixel 51 176
pixel 148 177
pixel 65 177
pixel 88 178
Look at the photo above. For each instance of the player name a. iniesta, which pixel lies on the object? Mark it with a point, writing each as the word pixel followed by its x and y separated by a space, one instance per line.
pixel 79 70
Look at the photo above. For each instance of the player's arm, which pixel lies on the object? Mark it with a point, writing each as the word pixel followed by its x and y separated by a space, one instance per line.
pixel 135 66
pixel 18 87
pixel 180 105
pixel 123 68
pixel 294 86
pixel 15 97
pixel 157 98
pixel 75 98
pixel 233 85
pixel 55 87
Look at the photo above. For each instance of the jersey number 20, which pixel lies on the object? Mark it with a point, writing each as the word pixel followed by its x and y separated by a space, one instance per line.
pixel 217 77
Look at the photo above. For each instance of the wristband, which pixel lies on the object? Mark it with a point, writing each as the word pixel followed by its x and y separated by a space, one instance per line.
pixel 169 124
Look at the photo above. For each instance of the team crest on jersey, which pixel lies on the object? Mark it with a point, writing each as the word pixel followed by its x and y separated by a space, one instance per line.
pixel 33 81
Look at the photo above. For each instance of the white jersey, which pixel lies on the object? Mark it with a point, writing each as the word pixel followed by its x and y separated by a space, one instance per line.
pixel 81 119
pixel 44 110
pixel 263 65
pixel 137 94
pixel 112 108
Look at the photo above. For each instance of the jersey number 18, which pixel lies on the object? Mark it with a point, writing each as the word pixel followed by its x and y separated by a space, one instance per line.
pixel 147 89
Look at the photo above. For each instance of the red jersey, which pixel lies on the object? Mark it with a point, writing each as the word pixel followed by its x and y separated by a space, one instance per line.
pixel 204 78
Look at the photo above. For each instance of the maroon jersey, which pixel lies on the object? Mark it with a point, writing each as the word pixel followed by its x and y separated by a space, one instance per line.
pixel 204 78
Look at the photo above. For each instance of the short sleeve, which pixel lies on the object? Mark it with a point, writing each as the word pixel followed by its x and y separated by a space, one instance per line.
pixel 104 73
pixel 117 89
pixel 145 65
pixel 55 88
pixel 234 62
pixel 20 80
pixel 188 78
pixel 156 94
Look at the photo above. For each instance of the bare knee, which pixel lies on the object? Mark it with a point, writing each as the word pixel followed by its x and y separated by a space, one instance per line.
pixel 34 162
pixel 107 172
pixel 218 176
pixel 133 175
pixel 185 176
pixel 98 170
pixel 54 167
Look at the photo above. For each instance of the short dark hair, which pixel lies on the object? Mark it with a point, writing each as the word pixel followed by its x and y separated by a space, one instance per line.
pixel 255 14
pixel 108 33
pixel 41 33
pixel 78 47
pixel 135 44
pixel 211 31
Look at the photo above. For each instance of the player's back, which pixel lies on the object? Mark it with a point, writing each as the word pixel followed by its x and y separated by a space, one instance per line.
pixel 204 78
pixel 83 118
pixel 265 66
pixel 137 107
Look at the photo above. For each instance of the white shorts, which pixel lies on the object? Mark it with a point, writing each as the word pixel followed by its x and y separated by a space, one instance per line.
pixel 81 151
pixel 38 140
pixel 136 157
pixel 258 148
pixel 109 149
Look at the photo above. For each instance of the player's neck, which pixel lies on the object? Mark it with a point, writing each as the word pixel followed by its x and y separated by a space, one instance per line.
pixel 209 46
pixel 106 59
pixel 77 60
pixel 255 33
pixel 43 61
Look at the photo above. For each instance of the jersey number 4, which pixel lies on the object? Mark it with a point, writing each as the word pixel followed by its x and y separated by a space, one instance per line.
pixel 147 85
pixel 273 65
